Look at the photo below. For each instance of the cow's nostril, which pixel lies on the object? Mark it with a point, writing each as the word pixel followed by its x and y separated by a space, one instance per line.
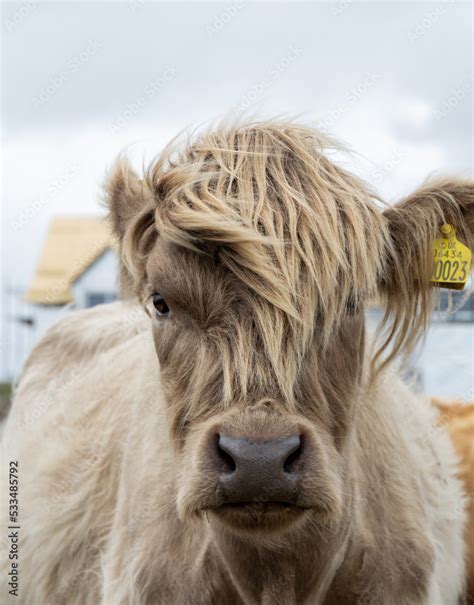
pixel 258 470
pixel 226 462
pixel 290 465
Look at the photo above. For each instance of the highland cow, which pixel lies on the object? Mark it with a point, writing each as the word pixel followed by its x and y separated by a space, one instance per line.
pixel 242 441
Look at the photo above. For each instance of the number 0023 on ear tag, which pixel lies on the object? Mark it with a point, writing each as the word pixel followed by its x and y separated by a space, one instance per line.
pixel 452 260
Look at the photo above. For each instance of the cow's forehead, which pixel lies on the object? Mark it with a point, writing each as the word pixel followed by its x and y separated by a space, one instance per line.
pixel 268 211
pixel 196 282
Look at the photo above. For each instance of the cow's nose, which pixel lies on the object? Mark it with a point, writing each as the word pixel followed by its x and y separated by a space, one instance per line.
pixel 254 470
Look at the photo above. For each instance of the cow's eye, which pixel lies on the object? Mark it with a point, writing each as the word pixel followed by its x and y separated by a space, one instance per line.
pixel 160 305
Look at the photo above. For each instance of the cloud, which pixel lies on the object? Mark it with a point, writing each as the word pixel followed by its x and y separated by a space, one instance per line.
pixel 159 69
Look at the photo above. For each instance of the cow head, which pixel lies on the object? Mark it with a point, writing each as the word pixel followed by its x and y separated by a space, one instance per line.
pixel 254 256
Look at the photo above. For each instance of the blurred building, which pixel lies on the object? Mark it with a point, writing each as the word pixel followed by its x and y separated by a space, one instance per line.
pixel 77 269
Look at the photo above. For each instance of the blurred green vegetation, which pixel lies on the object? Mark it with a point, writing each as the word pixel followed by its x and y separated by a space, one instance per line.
pixel 5 399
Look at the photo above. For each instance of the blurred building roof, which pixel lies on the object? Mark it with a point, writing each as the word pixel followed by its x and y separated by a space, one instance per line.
pixel 73 244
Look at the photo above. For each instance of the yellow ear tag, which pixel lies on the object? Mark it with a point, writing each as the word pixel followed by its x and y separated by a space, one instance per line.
pixel 452 260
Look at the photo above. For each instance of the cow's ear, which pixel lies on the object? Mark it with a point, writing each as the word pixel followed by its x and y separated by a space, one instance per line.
pixel 128 200
pixel 415 222
pixel 125 196
pixel 411 226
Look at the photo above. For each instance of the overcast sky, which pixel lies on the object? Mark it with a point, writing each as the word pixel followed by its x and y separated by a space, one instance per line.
pixel 83 81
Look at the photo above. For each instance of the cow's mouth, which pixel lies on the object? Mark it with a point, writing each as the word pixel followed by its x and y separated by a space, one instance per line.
pixel 255 515
pixel 255 507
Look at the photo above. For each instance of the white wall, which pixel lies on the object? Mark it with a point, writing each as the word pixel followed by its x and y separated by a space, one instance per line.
pixel 101 277
pixel 446 361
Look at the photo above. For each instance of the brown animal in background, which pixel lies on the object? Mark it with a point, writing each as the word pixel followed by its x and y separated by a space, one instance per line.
pixel 459 420
pixel 244 443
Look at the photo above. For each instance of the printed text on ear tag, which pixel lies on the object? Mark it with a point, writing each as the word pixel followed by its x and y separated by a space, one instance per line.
pixel 452 260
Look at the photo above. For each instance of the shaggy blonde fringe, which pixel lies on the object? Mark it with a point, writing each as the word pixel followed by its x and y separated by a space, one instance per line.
pixel 298 231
